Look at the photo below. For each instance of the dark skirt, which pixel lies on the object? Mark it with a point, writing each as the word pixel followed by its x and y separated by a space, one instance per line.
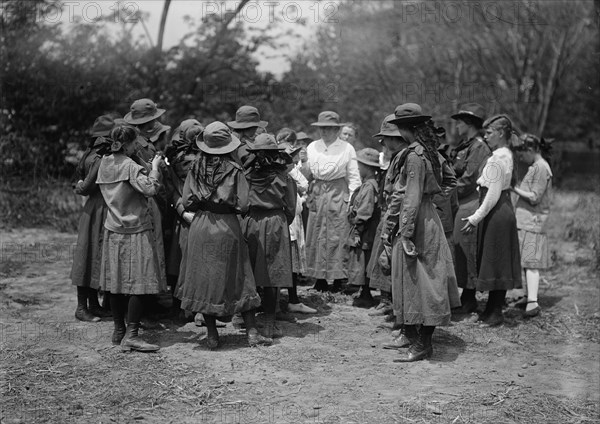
pixel 357 264
pixel 87 255
pixel 326 256
pixel 498 256
pixel 268 237
pixel 377 279
pixel 176 247
pixel 216 276
pixel 465 247
pixel 424 288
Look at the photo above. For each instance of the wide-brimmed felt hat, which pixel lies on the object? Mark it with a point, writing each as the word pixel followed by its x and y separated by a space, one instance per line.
pixel 387 128
pixel 290 149
pixel 247 117
pixel 368 156
pixel 328 118
pixel 102 126
pixel 155 132
pixel 184 127
pixel 264 142
pixel 217 139
pixel 300 136
pixel 142 111
pixel 409 114
pixel 471 110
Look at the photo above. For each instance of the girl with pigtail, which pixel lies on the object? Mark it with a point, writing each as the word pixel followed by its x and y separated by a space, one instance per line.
pixel 498 256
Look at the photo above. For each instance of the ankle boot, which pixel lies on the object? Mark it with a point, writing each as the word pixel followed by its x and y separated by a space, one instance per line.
pixel 95 308
pixel 468 302
pixel 270 329
pixel 82 314
pixel 321 285
pixel 417 350
pixel 132 341
pixel 489 307
pixel 427 335
pixel 119 332
pixel 495 318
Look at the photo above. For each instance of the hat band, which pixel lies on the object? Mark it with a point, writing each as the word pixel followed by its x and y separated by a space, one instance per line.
pixel 142 114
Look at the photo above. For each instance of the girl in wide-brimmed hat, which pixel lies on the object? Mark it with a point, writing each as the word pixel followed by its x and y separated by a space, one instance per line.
pixel 272 209
pixel 246 126
pixel 498 256
pixel 216 276
pixel 87 256
pixel 285 138
pixel 334 174
pixel 532 210
pixel 181 154
pixel 422 271
pixel 468 159
pixel 363 217
pixel 130 260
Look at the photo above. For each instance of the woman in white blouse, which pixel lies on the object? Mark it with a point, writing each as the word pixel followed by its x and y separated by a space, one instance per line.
pixel 333 171
pixel 498 257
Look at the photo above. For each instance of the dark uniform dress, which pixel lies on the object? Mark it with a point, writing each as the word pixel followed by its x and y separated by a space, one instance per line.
pixel 87 255
pixel 177 173
pixel 420 285
pixel 216 275
pixel 377 279
pixel 364 218
pixel 272 198
pixel 468 162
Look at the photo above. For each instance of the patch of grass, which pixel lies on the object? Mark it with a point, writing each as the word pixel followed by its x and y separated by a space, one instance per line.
pixel 42 203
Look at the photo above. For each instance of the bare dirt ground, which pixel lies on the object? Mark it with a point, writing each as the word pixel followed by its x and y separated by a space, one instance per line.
pixel 327 368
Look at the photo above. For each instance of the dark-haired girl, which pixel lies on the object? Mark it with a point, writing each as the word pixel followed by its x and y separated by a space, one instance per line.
pixel 87 255
pixel 130 258
pixel 498 257
pixel 533 208
pixel 272 201
pixel 422 268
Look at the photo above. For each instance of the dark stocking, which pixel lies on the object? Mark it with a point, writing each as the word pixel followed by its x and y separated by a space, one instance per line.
pixel 293 291
pixel 269 300
pixel 82 296
pixel 135 309
pixel 118 307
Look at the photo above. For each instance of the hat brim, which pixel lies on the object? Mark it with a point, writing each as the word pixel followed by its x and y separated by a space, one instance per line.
pixel 410 120
pixel 326 124
pixel 464 113
pixel 129 119
pixel 254 149
pixel 294 150
pixel 230 147
pixel 388 134
pixel 369 163
pixel 101 133
pixel 243 125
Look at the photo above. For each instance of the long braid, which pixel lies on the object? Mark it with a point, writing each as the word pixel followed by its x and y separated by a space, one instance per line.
pixel 426 134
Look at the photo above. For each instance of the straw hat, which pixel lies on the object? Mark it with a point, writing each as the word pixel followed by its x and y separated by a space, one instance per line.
pixel 218 139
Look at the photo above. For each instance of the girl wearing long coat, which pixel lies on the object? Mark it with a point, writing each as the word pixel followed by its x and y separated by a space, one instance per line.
pixel 87 256
pixel 272 200
pixel 422 268
pixel 216 276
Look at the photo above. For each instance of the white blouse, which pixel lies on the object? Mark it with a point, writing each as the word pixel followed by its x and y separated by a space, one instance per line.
pixel 338 160
pixel 496 176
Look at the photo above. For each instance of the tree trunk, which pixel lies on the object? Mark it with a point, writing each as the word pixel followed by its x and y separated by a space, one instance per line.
pixel 551 84
pixel 163 23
